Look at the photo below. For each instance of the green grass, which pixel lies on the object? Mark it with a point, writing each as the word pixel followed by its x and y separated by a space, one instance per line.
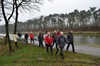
pixel 31 55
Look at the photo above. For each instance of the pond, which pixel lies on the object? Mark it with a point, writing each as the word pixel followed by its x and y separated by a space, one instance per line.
pixel 87 39
pixel 81 39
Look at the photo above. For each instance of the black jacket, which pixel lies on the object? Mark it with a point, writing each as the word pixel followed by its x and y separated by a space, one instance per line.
pixel 40 37
pixel 19 34
pixel 70 37
pixel 26 36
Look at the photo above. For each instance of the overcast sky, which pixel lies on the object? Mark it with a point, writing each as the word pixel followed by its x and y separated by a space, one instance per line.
pixel 60 6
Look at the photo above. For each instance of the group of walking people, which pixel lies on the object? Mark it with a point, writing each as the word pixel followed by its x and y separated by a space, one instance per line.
pixel 26 36
pixel 58 39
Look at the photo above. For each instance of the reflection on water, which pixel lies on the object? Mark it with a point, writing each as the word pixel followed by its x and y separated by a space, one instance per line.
pixel 87 39
pixel 81 39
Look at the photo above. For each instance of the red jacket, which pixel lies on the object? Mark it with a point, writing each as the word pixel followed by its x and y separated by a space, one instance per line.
pixel 31 36
pixel 48 40
pixel 58 33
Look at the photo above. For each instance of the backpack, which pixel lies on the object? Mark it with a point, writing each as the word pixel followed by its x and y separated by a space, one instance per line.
pixel 62 40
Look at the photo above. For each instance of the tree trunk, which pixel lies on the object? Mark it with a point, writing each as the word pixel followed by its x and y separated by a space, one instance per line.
pixel 15 25
pixel 7 33
pixel 8 20
pixel 5 39
pixel 6 26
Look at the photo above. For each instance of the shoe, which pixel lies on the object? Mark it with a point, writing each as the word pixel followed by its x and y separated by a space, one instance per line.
pixel 74 52
pixel 66 50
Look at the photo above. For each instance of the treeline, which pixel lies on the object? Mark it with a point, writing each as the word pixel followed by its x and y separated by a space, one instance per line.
pixel 77 20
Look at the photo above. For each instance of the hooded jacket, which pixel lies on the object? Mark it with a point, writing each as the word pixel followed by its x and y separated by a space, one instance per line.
pixel 48 40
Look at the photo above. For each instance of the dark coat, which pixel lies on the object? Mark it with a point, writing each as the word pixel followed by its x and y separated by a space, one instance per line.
pixel 40 37
pixel 19 34
pixel 70 37
pixel 26 36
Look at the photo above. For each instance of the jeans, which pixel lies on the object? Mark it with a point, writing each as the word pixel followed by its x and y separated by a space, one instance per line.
pixel 31 41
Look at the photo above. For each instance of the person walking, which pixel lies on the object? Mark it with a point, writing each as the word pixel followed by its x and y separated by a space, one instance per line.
pixel 61 43
pixel 15 38
pixel 40 39
pixel 57 44
pixel 49 40
pixel 44 35
pixel 58 32
pixel 19 36
pixel 26 37
pixel 70 41
pixel 31 38
pixel 54 39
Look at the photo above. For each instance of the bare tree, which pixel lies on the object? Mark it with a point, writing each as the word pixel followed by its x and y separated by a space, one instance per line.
pixel 16 5
pixel 26 5
pixel 7 21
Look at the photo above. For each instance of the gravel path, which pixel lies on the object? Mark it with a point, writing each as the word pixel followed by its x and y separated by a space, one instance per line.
pixel 82 49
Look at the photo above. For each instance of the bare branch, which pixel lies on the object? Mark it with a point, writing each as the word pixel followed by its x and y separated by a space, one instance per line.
pixel 20 3
pixel 12 12
pixel 3 11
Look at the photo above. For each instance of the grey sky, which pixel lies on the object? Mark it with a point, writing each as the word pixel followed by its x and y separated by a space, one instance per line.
pixel 60 6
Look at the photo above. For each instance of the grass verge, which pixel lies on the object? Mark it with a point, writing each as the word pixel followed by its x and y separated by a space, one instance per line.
pixel 31 55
